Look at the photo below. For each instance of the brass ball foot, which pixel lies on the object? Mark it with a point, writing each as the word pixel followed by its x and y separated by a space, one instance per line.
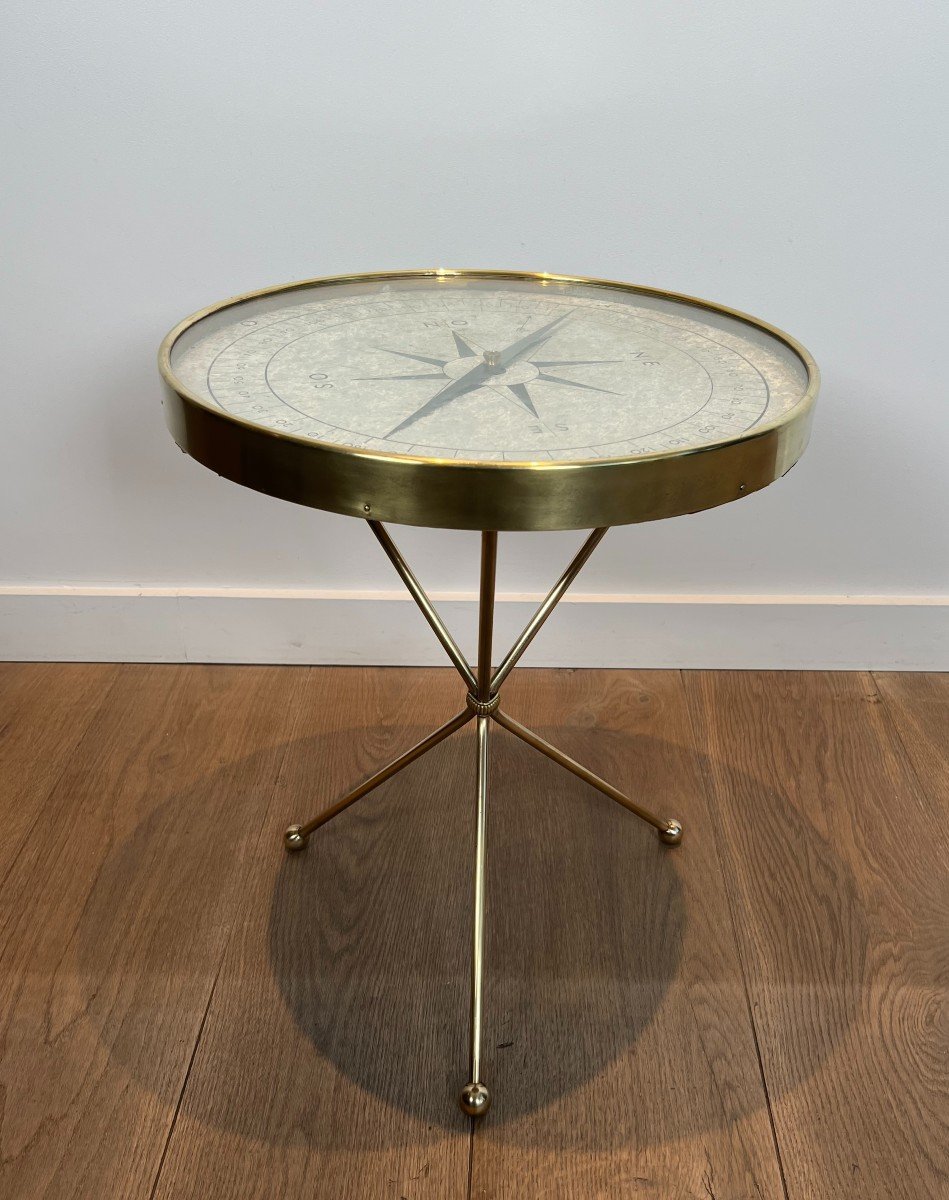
pixel 293 839
pixel 475 1099
pixel 672 834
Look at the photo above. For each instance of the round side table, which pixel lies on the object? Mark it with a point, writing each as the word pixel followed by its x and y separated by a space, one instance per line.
pixel 488 400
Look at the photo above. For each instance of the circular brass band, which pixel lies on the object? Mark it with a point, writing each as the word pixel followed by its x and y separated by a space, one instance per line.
pixel 482 708
pixel 455 494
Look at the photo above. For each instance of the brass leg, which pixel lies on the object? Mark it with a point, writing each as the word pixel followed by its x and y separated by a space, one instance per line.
pixel 296 836
pixel 670 832
pixel 417 593
pixel 547 607
pixel 475 1099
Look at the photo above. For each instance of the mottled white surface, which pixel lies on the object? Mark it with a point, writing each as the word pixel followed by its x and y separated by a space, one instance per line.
pixel 378 366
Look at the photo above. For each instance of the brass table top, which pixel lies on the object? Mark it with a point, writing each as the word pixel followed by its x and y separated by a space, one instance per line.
pixel 488 399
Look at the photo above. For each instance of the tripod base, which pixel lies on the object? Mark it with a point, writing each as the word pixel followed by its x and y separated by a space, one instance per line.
pixel 482 703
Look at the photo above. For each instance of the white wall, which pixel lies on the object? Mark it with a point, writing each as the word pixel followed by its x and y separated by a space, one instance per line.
pixel 786 159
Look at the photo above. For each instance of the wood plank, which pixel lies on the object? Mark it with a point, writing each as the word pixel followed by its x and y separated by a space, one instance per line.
pixel 618 1042
pixel 837 865
pixel 45 710
pixel 918 707
pixel 114 921
pixel 334 1045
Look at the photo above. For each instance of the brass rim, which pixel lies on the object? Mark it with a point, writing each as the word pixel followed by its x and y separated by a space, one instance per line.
pixel 473 494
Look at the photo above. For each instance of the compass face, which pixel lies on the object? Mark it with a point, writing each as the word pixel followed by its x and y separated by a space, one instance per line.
pixel 489 370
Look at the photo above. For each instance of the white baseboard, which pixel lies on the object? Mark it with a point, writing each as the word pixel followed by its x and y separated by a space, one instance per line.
pixel 231 625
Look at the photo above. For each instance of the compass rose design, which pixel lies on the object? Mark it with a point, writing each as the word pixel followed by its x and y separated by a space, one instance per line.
pixel 507 372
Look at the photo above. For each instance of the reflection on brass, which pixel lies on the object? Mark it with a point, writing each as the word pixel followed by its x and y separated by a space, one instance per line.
pixel 477 924
pixel 293 839
pixel 475 1099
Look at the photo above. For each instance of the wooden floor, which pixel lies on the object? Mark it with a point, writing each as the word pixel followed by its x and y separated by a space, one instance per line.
pixel 187 1011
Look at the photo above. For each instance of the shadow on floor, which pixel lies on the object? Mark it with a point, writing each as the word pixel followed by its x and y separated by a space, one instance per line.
pixel 365 944
pixel 584 933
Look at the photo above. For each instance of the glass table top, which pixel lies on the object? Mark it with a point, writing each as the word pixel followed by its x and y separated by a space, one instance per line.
pixel 490 370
